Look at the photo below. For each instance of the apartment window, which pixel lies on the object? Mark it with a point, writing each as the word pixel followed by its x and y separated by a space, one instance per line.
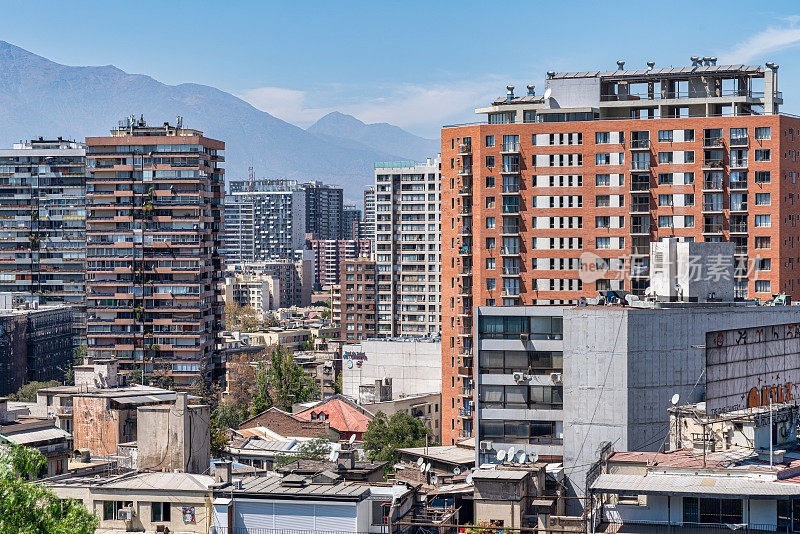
pixel 762 242
pixel 763 221
pixel 490 161
pixel 489 141
pixel 688 156
pixel 601 138
pixel 763 264
pixel 602 222
pixel 665 178
pixel 602 180
pixel 489 243
pixel 491 284
pixel 602 159
pixel 665 157
pixel 763 154
pixel 688 135
pixel 762 177
pixel 763 286
pixel 665 136
pixel 602 242
pixel 712 511
pixel 533 138
pixel 665 221
pixel 489 202
pixel 110 509
pixel 490 263
pixel 490 302
pixel 665 200
pixel 688 199
pixel 602 201
pixel 763 132
pixel 688 221
pixel 159 511
pixel 763 199
pixel 490 181
pixel 688 178
pixel 489 223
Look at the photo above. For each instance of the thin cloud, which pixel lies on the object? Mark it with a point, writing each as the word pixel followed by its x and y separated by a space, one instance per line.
pixel 419 108
pixel 770 40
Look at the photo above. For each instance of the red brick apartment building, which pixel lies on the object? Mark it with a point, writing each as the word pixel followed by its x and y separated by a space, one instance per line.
pixel 354 299
pixel 596 168
pixel 154 200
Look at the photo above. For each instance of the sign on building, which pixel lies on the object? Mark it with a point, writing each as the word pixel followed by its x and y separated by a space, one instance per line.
pixel 751 367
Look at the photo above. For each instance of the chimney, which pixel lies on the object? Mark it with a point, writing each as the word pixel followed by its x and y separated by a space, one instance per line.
pixel 531 90
pixel 223 471
pixel 620 64
pixel 510 94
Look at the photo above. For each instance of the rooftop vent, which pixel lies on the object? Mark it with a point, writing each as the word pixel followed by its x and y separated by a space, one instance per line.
pixel 713 60
pixel 695 61
pixel 620 64
pixel 510 93
pixel 551 74
pixel 706 61
pixel 531 90
pixel 771 65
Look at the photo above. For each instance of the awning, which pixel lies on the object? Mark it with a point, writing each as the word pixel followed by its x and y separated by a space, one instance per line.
pixel 693 485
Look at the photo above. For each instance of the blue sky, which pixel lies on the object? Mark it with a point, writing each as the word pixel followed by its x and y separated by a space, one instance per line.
pixel 417 64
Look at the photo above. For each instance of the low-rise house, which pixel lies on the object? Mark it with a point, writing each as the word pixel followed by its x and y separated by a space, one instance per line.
pixel 143 502
pixel 42 434
pixel 424 407
pixel 301 504
pixel 286 424
pixel 449 464
pixel 342 414
pixel 512 497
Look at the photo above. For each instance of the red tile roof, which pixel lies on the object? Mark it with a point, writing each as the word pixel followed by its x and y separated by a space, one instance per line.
pixel 341 413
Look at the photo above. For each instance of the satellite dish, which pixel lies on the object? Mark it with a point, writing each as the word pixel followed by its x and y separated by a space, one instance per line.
pixel 501 455
pixel 427 467
pixel 511 452
pixel 352 439
pixel 522 457
pixel 422 468
pixel 535 458
pixel 332 456
pixel 456 470
pixel 675 398
pixel 420 461
pixel 547 93
pixel 469 478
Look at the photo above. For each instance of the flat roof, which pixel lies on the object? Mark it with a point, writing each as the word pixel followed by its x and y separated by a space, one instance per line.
pixel 666 72
pixel 273 487
pixel 693 485
pixel 452 454
pixel 499 474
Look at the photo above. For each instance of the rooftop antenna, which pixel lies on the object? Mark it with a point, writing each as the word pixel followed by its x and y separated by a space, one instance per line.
pixel 501 455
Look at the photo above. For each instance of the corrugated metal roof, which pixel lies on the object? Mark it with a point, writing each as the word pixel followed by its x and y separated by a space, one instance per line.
pixel 271 486
pixel 499 474
pixel 33 436
pixel 690 484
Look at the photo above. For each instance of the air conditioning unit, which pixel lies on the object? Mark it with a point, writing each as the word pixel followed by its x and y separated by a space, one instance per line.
pixel 486 446
pixel 523 338
pixel 555 378
pixel 125 514
pixel 519 377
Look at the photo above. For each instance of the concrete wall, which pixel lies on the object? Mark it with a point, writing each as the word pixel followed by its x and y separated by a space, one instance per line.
pixel 99 428
pixel 186 428
pixel 414 367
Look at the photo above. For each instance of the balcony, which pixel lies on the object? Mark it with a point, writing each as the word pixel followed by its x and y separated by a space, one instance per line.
pixel 712 185
pixel 465 190
pixel 640 144
pixel 640 250
pixel 509 230
pixel 640 165
pixel 739 141
pixel 737 185
pixel 465 170
pixel 738 206
pixel 510 168
pixel 465 290
pixel 712 228
pixel 740 250
pixel 640 186
pixel 510 189
pixel 466 230
pixel 509 251
pixel 465 372
pixel 712 207
pixel 640 229
pixel 510 271
pixel 510 148
pixel 713 142
pixel 465 311
pixel 466 392
pixel 712 163
pixel 464 412
pixel 738 227
pixel 465 148
pixel 738 163
pixel 465 271
pixel 640 207
pixel 465 250
pixel 465 210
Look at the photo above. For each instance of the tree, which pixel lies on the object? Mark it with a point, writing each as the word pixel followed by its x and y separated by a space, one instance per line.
pixel 314 449
pixel 240 376
pixel 78 357
pixel 27 392
pixel 242 318
pixel 384 436
pixel 30 508
pixel 288 382
pixel 337 384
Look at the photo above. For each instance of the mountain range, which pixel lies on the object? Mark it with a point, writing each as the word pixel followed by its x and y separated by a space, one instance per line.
pixel 39 97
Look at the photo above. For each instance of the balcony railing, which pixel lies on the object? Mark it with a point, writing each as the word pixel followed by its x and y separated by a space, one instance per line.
pixel 712 206
pixel 739 141
pixel 511 168
pixel 737 185
pixel 465 210
pixel 714 185
pixel 465 170
pixel 640 228
pixel 712 228
pixel 639 144
pixel 640 207
pixel 738 206
pixel 509 251
pixel 738 227
pixel 675 527
pixel 713 142
pixel 510 229
pixel 465 190
pixel 740 163
pixel 712 163
pixel 640 186
pixel 510 188
pixel 466 230
pixel 640 165
pixel 510 147
pixel 465 148
pixel 511 271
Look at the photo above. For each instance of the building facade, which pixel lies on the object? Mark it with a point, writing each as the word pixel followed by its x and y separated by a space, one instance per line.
pixel 154 232
pixel 329 255
pixel 630 156
pixel 287 282
pixel 43 225
pixel 278 218
pixel 408 248
pixel 240 232
pixel 356 296
pixel 368 226
pixel 324 210
pixel 351 222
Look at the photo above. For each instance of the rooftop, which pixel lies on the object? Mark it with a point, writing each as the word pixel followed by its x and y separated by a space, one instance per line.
pixel 452 454
pixel 275 487
pixel 138 481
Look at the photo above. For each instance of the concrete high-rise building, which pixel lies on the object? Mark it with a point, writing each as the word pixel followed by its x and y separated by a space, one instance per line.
pixel 408 248
pixel 558 196
pixel 278 215
pixel 324 210
pixel 272 284
pixel 154 270
pixel 43 225
pixel 368 226
pixel 351 221
pixel 240 231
